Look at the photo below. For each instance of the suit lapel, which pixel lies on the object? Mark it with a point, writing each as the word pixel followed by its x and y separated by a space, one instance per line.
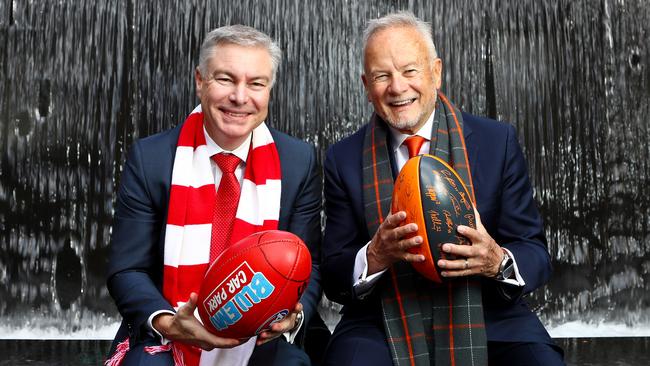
pixel 472 149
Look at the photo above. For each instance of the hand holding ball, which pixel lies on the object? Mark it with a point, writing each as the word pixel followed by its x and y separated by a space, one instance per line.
pixel 254 283
pixel 436 199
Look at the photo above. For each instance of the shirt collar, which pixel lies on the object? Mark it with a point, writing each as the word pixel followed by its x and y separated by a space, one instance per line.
pixel 399 137
pixel 241 151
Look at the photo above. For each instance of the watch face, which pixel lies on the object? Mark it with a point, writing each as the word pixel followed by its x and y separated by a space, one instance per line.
pixel 508 270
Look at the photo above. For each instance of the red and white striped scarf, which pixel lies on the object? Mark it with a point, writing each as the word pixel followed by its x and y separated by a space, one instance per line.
pixel 191 207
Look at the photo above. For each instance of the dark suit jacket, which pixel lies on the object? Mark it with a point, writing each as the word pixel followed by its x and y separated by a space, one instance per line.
pixel 505 202
pixel 136 253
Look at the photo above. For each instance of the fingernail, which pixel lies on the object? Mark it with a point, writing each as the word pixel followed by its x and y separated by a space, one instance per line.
pixel 461 229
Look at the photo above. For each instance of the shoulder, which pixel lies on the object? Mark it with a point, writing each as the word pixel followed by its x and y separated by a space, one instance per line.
pixel 350 146
pixel 160 140
pixel 486 125
pixel 293 152
pixel 486 130
pixel 288 142
pixel 155 153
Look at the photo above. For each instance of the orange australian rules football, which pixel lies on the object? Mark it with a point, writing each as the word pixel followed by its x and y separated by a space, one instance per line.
pixel 436 199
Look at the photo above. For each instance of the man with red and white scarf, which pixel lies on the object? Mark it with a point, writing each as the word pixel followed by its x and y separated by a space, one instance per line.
pixel 189 192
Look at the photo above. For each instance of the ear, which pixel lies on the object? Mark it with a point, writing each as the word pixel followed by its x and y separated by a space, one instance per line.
pixel 198 81
pixel 365 86
pixel 436 71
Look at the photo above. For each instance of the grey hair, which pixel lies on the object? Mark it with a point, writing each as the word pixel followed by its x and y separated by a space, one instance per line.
pixel 400 19
pixel 240 35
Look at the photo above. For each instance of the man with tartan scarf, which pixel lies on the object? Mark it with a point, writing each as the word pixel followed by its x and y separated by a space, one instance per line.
pixel 173 215
pixel 391 314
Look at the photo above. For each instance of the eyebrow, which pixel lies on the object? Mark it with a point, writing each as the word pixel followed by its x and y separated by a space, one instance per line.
pixel 231 75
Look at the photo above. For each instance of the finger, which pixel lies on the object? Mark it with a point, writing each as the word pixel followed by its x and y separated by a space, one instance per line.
pixel 221 342
pixel 472 234
pixel 465 251
pixel 402 231
pixel 268 335
pixel 229 342
pixel 280 327
pixel 263 339
pixel 207 340
pixel 298 308
pixel 416 258
pixel 456 268
pixel 453 265
pixel 409 243
pixel 284 325
pixel 393 220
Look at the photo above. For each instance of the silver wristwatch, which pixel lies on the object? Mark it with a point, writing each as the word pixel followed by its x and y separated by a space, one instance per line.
pixel 506 268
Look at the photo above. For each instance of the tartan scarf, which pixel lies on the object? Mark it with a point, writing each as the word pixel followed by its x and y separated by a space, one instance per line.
pixel 191 206
pixel 426 323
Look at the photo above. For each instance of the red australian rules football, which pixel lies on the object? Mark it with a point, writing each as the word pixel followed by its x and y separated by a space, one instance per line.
pixel 436 199
pixel 254 283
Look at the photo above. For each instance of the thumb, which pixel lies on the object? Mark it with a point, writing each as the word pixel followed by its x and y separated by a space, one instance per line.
pixel 190 305
pixel 479 224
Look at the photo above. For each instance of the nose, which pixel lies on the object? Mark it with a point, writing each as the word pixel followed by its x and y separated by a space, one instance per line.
pixel 397 85
pixel 239 94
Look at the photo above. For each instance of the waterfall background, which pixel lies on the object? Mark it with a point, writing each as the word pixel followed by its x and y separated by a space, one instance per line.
pixel 80 80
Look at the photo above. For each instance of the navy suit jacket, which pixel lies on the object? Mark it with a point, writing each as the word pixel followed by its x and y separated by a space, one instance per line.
pixel 505 202
pixel 135 265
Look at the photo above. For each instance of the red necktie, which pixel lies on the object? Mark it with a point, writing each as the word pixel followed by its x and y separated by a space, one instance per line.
pixel 226 203
pixel 414 143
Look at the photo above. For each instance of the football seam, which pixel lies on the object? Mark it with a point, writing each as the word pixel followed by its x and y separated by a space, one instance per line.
pixel 293 267
pixel 281 288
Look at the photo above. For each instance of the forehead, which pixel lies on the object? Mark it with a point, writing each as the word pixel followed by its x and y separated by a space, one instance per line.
pixel 241 60
pixel 396 46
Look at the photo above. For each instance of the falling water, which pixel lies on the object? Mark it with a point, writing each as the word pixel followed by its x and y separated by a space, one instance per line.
pixel 80 80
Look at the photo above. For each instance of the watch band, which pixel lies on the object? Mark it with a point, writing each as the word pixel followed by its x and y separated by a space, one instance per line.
pixel 506 267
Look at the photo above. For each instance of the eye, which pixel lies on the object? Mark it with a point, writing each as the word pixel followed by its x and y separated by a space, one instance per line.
pixel 410 72
pixel 381 77
pixel 257 85
pixel 223 80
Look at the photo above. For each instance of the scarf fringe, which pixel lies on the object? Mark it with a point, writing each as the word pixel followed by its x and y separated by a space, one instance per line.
pixel 120 352
pixel 123 348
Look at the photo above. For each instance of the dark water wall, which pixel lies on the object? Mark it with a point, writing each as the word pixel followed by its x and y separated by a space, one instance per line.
pixel 80 80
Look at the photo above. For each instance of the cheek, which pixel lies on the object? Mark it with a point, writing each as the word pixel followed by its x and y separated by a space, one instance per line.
pixel 375 95
pixel 261 101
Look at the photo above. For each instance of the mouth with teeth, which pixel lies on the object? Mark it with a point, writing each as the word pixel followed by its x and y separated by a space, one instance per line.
pixel 402 103
pixel 234 114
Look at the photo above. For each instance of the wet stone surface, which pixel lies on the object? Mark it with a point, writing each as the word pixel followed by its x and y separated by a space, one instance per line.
pixel 622 351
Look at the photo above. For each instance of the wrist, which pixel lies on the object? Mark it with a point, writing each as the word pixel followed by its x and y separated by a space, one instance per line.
pixel 299 318
pixel 374 264
pixel 506 267
pixel 161 323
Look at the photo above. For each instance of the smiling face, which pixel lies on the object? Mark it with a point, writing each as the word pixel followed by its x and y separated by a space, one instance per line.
pixel 235 92
pixel 400 77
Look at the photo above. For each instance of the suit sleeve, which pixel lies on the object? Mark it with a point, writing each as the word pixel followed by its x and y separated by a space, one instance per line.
pixel 520 228
pixel 135 266
pixel 344 235
pixel 305 222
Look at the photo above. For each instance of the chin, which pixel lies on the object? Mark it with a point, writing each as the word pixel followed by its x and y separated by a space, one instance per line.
pixel 403 124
